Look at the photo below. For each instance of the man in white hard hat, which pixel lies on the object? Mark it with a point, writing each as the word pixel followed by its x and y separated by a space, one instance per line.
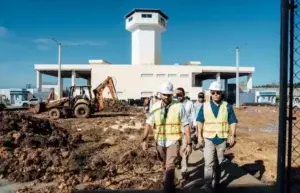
pixel 167 116
pixel 216 130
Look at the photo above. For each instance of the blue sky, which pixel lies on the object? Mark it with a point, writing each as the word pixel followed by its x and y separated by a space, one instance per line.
pixel 197 30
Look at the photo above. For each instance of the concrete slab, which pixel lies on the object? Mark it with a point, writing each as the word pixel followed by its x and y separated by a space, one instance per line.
pixel 235 179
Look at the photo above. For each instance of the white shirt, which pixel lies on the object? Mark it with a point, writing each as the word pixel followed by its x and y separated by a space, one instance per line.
pixel 182 116
pixel 197 106
pixel 189 109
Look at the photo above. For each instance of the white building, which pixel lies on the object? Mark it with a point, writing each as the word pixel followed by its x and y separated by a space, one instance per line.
pixel 143 77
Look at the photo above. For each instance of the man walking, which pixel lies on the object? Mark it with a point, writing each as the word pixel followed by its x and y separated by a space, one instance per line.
pixel 197 105
pixel 189 109
pixel 216 127
pixel 167 117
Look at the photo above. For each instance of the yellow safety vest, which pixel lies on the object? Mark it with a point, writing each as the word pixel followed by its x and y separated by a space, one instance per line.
pixel 168 128
pixel 215 126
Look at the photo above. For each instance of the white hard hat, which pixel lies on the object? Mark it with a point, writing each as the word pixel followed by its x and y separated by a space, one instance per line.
pixel 166 88
pixel 215 86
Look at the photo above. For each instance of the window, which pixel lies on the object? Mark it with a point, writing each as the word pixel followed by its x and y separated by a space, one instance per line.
pixel 146 15
pixel 130 18
pixel 146 94
pixel 146 75
pixel 171 75
pixel 184 75
pixel 162 21
pixel 160 75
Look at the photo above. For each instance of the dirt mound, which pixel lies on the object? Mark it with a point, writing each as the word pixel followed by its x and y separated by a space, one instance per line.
pixel 33 149
pixel 119 106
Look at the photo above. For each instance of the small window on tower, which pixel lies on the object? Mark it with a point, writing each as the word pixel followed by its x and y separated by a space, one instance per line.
pixel 162 21
pixel 146 15
pixel 130 18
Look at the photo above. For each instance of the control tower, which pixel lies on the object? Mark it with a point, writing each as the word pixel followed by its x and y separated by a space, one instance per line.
pixel 146 26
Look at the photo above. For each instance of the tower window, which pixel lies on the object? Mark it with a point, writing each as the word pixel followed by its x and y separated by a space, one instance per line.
pixel 162 21
pixel 130 18
pixel 146 15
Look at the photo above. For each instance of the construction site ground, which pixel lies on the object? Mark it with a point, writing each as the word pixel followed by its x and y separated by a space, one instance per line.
pixel 105 152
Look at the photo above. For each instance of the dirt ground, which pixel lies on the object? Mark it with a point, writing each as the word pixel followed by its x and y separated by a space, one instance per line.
pixel 104 150
pixel 256 147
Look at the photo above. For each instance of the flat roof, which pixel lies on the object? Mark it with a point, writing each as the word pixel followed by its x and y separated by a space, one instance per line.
pixel 147 10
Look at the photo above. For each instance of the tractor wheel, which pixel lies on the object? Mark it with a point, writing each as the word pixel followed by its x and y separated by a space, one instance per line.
pixel 54 113
pixel 82 111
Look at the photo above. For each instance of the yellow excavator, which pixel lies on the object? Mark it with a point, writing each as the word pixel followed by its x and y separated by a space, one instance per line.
pixel 80 106
pixel 98 92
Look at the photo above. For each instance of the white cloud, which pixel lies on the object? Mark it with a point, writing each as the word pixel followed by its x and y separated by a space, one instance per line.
pixel 85 43
pixel 45 43
pixel 3 32
pixel 42 41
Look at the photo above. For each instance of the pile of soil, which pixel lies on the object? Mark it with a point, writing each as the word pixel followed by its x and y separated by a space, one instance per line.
pixel 33 149
pixel 119 106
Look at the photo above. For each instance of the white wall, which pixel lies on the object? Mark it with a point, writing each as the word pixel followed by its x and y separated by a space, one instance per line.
pixel 146 46
pixel 137 81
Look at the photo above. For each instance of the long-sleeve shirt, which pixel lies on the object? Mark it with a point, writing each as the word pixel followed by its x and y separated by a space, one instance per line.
pixel 182 116
pixel 189 109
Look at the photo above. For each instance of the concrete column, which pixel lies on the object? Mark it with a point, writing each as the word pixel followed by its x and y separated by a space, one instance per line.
pixel 193 79
pixel 226 88
pixel 89 81
pixel 218 77
pixel 249 82
pixel 39 80
pixel 73 83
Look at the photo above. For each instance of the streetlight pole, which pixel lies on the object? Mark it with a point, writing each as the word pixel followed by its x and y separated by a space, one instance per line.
pixel 237 93
pixel 59 68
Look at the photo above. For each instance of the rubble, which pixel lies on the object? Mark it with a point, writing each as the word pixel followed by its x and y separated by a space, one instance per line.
pixel 119 106
pixel 33 149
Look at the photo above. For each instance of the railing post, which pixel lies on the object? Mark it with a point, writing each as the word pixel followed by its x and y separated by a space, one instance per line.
pixel 283 96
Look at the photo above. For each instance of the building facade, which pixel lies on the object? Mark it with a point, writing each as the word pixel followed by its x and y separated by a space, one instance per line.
pixel 144 75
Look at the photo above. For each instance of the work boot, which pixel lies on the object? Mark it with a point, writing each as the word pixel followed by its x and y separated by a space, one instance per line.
pixel 169 185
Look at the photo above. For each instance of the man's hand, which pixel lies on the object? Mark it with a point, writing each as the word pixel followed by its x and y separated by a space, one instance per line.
pixel 231 141
pixel 200 143
pixel 188 150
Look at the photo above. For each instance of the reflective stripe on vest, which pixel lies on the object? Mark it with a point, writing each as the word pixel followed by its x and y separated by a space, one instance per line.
pixel 215 126
pixel 168 128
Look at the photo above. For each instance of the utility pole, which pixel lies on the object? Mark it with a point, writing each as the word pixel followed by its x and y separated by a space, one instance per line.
pixel 59 68
pixel 237 93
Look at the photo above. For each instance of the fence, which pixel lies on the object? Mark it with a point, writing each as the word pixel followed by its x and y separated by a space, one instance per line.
pixel 288 176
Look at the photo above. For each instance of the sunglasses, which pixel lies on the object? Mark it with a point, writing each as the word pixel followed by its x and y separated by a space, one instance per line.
pixel 216 92
pixel 179 95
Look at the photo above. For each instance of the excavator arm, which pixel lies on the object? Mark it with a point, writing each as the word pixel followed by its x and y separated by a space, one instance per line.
pixel 98 92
